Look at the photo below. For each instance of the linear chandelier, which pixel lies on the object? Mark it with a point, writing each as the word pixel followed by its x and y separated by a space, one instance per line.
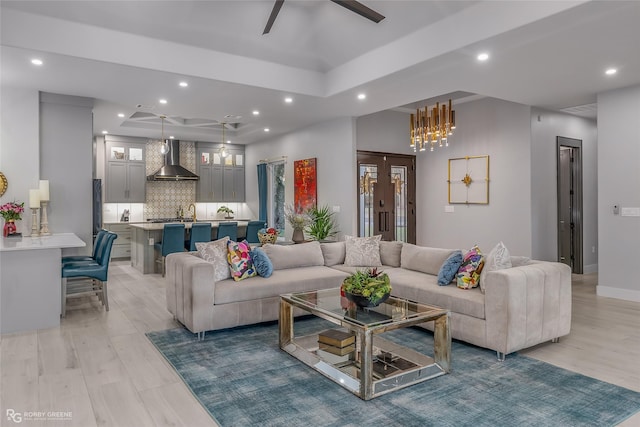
pixel 432 126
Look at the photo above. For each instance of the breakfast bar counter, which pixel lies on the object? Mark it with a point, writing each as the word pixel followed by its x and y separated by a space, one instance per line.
pixel 30 281
pixel 145 235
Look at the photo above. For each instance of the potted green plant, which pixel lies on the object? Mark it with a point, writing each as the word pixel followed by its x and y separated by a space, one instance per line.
pixel 367 288
pixel 228 212
pixel 323 224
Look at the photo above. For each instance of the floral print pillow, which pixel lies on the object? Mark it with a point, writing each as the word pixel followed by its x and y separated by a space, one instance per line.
pixel 240 263
pixel 469 272
pixel 362 251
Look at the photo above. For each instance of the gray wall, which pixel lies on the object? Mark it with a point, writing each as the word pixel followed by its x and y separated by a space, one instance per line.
pixel 333 144
pixel 491 127
pixel 66 160
pixel 545 127
pixel 19 147
pixel 501 130
pixel 618 184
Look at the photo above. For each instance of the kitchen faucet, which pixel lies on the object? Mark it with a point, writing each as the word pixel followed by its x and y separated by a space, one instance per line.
pixel 194 211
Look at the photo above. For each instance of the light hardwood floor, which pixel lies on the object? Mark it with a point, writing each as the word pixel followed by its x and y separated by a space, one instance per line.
pixel 100 366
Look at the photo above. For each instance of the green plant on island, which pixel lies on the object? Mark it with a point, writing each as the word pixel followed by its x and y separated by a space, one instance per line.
pixel 227 211
pixel 323 224
pixel 370 283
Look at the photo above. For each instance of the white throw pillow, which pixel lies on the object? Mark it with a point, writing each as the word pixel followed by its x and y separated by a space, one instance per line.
pixel 498 259
pixel 362 251
pixel 216 253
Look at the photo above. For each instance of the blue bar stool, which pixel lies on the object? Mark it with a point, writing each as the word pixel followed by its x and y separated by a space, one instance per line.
pixel 96 248
pixel 200 232
pixel 228 229
pixel 88 278
pixel 252 230
pixel 172 241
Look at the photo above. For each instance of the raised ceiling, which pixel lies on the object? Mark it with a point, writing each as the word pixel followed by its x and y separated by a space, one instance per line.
pixel 123 54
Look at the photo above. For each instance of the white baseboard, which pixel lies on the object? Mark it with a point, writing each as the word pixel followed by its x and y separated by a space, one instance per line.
pixel 618 293
pixel 591 268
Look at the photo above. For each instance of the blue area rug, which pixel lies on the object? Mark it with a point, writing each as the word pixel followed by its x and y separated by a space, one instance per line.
pixel 243 379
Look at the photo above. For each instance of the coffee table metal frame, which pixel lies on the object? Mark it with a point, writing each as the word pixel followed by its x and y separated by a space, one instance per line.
pixel 393 314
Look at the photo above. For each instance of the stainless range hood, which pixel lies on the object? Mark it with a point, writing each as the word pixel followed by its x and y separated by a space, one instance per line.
pixel 172 171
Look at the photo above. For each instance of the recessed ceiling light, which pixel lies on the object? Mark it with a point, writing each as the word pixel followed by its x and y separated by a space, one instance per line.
pixel 36 61
pixel 228 141
pixel 256 112
pixel 121 115
pixel 362 96
pixel 483 56
pixel 162 101
pixel 171 137
pixel 104 132
pixel 267 129
pixel 611 71
pixel 288 100
pixel 183 84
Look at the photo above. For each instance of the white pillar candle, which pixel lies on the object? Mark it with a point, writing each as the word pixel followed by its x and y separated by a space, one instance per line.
pixel 44 190
pixel 34 198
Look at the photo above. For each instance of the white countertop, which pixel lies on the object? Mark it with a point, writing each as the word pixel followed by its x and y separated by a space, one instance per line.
pixel 150 226
pixel 54 241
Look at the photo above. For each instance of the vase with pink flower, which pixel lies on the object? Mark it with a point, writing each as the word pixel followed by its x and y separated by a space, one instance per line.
pixel 11 213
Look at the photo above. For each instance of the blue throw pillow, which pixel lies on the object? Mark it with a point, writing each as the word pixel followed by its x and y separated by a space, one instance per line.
pixel 261 262
pixel 449 268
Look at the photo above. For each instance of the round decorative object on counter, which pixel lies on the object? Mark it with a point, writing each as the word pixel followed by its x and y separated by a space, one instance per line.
pixel 267 238
pixel 3 183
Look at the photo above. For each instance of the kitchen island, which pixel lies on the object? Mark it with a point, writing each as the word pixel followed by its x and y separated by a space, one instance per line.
pixel 145 235
pixel 31 281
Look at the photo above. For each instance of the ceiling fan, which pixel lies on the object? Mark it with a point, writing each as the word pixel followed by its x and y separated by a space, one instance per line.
pixel 352 5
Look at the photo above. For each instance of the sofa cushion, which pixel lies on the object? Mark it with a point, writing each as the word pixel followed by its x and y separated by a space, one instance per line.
pixel 293 256
pixel 423 259
pixel 216 253
pixel 390 253
pixel 362 251
pixel 498 259
pixel 517 261
pixel 261 261
pixel 424 288
pixel 450 268
pixel 281 282
pixel 333 253
pixel 469 273
pixel 239 257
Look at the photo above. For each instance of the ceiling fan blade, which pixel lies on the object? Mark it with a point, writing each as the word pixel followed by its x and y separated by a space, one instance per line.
pixel 360 9
pixel 272 17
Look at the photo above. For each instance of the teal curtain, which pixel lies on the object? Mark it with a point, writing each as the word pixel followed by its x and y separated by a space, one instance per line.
pixel 262 191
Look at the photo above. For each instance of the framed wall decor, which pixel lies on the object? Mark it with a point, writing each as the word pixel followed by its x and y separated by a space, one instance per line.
pixel 469 180
pixel 305 187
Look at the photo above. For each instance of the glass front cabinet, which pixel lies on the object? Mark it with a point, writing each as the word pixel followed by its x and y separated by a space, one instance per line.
pixel 125 170
pixel 221 173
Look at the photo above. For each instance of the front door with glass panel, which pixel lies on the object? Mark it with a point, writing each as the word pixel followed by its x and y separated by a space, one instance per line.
pixel 386 203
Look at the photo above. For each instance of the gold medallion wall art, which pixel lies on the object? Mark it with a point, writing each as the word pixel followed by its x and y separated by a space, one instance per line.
pixel 469 180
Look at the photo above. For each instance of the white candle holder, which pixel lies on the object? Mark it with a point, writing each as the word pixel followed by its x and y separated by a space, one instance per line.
pixel 44 226
pixel 34 222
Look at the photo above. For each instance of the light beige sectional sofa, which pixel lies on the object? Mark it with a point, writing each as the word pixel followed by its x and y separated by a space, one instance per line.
pixel 517 307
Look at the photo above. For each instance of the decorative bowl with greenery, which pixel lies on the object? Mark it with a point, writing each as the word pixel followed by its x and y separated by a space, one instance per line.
pixel 323 224
pixel 367 288
pixel 228 212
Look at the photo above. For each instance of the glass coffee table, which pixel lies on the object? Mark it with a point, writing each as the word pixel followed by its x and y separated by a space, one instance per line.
pixel 353 352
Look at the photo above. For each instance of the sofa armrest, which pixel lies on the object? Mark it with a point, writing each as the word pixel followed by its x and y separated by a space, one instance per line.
pixel 527 305
pixel 190 288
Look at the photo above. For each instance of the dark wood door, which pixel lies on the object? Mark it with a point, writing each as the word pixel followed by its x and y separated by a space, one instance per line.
pixel 386 203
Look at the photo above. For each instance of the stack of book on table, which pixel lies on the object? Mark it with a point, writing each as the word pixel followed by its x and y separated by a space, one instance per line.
pixel 335 346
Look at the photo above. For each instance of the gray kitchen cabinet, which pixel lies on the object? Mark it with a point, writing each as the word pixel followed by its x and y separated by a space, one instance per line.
pixel 221 178
pixel 125 171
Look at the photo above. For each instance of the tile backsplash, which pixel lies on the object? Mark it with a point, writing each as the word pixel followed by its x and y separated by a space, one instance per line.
pixel 164 198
